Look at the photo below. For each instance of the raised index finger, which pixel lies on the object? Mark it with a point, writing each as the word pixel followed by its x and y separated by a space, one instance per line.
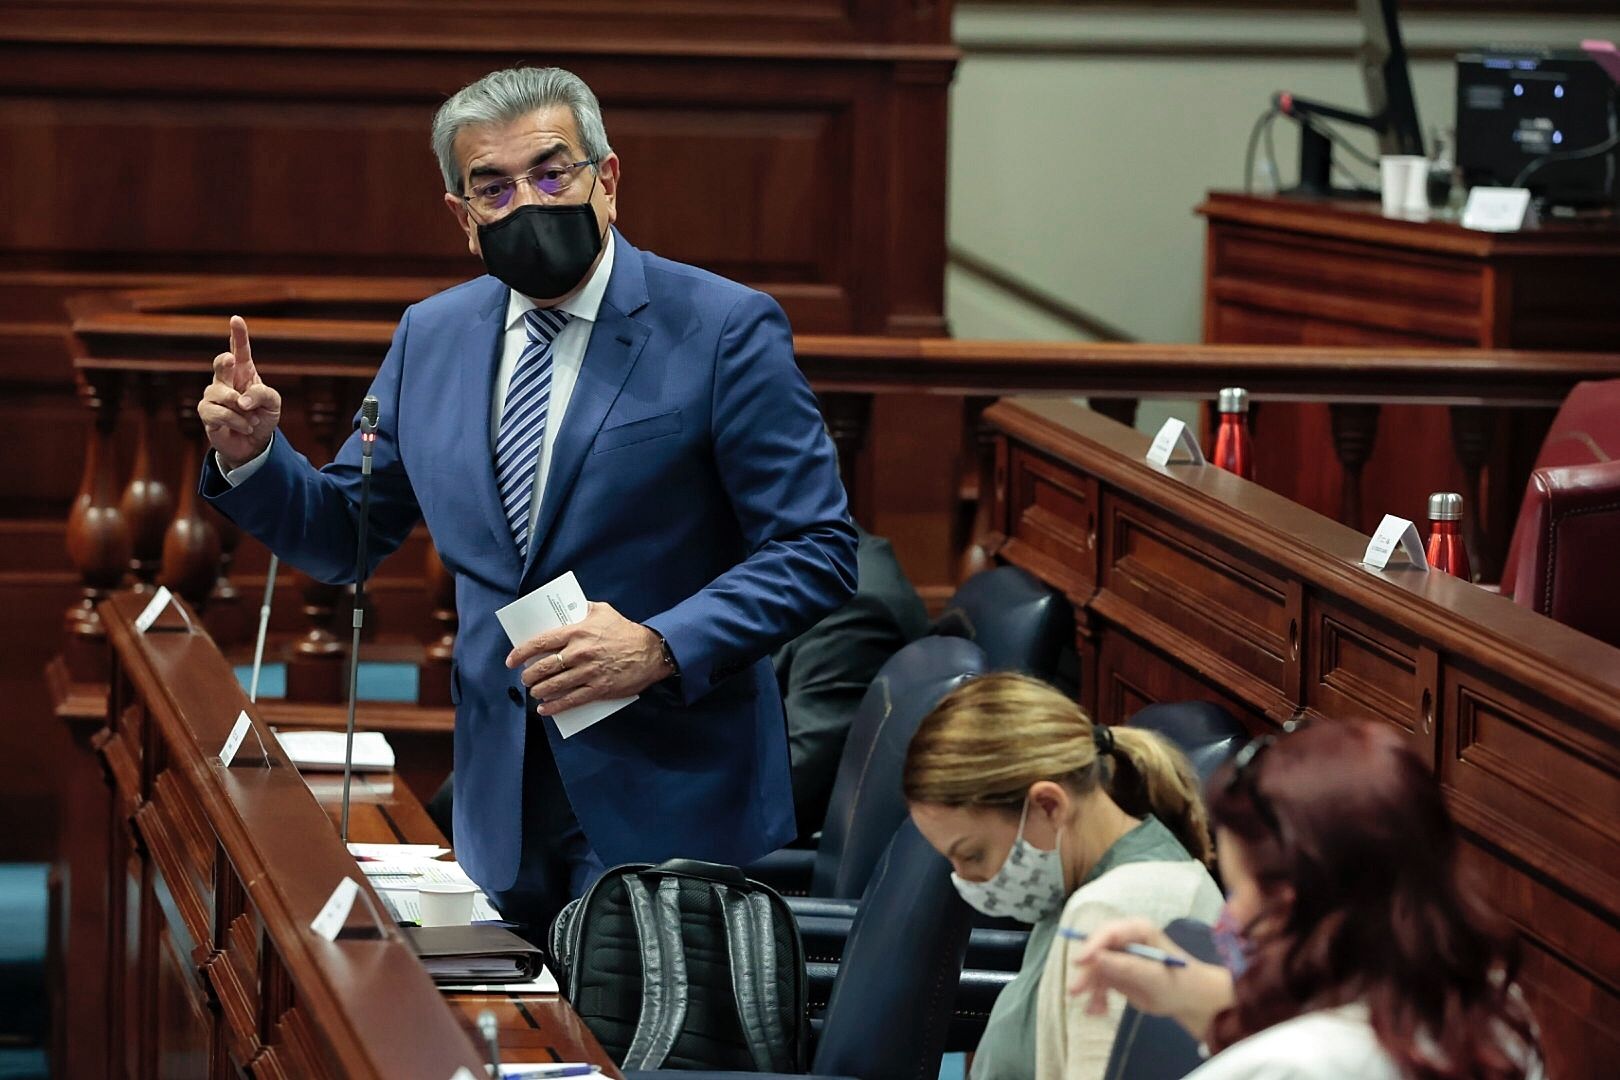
pixel 245 373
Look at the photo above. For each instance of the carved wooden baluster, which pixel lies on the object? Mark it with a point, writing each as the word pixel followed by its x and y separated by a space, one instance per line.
pixel 433 684
pixel 1472 431
pixel 148 501
pixel 229 619
pixel 1122 409
pixel 981 443
pixel 316 670
pixel 848 418
pixel 191 544
pixel 1355 428
pixel 97 533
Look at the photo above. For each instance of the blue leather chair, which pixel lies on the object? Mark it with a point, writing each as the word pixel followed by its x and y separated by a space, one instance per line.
pixel 823 886
pixel 1204 731
pixel 866 803
pixel 891 1000
pixel 1019 622
pixel 1156 1047
pixel 26 980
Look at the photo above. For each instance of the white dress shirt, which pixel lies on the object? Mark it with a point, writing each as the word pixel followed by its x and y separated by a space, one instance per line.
pixel 567 355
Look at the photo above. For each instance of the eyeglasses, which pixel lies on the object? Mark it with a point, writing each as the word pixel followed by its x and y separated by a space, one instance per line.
pixel 493 196
pixel 1244 774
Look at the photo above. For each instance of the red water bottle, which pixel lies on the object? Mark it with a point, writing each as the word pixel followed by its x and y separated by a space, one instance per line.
pixel 1232 450
pixel 1447 551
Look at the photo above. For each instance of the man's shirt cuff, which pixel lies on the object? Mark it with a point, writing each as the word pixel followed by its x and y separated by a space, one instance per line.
pixel 244 472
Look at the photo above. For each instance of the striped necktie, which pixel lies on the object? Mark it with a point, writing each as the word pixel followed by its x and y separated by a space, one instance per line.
pixel 523 421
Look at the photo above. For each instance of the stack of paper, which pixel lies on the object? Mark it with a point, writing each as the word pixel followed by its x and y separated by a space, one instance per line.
pixel 324 749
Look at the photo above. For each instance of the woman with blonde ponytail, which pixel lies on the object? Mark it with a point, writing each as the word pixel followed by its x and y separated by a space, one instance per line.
pixel 1050 819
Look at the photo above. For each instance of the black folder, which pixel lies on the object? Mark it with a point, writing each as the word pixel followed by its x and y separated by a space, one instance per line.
pixel 474 954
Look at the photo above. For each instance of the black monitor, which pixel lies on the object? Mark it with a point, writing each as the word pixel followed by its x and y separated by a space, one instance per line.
pixel 1388 80
pixel 1392 109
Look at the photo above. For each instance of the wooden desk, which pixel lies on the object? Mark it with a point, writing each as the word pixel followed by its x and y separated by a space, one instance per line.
pixel 216 874
pixel 1295 272
pixel 1190 583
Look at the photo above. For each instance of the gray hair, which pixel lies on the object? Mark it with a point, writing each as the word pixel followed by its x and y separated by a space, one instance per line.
pixel 503 96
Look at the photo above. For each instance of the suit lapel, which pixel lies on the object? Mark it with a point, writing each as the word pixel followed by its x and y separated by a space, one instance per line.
pixel 484 343
pixel 616 342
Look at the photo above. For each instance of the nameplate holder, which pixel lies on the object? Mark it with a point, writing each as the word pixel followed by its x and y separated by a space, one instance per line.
pixel 233 741
pixel 335 912
pixel 1395 534
pixel 161 601
pixel 1498 209
pixel 1175 444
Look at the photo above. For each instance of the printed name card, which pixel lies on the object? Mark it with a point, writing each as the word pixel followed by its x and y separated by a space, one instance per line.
pixel 1174 442
pixel 233 742
pixel 1498 209
pixel 1395 533
pixel 154 608
pixel 335 912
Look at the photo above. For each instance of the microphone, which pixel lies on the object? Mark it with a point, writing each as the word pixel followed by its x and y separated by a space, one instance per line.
pixel 487 1028
pixel 368 439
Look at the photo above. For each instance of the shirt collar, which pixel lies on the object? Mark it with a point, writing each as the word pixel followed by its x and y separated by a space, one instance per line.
pixel 582 305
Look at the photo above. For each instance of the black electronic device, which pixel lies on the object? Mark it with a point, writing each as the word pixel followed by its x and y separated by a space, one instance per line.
pixel 1516 107
pixel 1392 108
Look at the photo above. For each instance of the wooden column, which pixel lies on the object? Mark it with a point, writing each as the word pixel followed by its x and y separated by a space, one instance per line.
pixel 1472 431
pixel 148 502
pixel 191 545
pixel 316 669
pixel 848 418
pixel 98 538
pixel 1355 428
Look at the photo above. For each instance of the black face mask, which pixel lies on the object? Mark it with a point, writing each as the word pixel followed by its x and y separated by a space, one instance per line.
pixel 542 251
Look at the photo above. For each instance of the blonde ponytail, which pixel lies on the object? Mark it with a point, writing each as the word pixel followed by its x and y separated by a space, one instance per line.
pixel 1152 776
pixel 987 741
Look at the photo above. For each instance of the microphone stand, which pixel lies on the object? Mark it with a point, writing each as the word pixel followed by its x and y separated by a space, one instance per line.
pixel 368 438
pixel 264 627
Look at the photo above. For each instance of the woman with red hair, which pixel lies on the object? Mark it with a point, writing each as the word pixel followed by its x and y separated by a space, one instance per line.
pixel 1352 946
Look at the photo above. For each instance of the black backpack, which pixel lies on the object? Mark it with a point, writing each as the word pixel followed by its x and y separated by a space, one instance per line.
pixel 686 965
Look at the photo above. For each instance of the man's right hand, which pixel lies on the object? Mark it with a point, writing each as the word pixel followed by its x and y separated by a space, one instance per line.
pixel 238 410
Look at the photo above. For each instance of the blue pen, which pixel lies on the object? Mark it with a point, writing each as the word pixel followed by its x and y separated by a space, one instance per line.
pixel 536 1072
pixel 1146 952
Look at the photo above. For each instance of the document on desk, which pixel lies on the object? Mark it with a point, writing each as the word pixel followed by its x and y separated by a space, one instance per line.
pixel 559 602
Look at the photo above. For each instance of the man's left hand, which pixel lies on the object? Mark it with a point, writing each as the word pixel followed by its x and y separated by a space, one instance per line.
pixel 601 657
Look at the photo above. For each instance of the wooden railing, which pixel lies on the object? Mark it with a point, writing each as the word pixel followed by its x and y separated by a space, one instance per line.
pixel 320 342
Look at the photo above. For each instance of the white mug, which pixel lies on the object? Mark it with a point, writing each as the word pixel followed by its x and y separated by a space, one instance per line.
pixel 446 903
pixel 1405 181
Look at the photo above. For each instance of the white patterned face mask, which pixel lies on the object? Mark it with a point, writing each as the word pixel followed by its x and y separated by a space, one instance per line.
pixel 1028 887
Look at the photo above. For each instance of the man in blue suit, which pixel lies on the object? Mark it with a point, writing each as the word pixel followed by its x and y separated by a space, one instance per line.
pixel 589 407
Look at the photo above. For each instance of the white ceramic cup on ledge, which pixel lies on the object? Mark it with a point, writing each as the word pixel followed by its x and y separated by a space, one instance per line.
pixel 1405 183
pixel 446 903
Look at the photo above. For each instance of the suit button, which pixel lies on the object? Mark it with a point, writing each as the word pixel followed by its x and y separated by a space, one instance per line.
pixel 515 694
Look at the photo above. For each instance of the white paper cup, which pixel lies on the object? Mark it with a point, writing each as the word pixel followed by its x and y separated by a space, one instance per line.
pixel 446 903
pixel 1405 183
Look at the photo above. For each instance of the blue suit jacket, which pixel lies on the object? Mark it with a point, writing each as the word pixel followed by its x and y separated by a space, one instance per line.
pixel 692 486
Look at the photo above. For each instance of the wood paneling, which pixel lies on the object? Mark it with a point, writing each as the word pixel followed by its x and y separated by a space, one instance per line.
pixel 1215 588
pixel 214 971
pixel 1297 272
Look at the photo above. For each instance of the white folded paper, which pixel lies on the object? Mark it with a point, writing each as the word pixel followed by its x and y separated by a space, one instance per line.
pixel 324 749
pixel 560 602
